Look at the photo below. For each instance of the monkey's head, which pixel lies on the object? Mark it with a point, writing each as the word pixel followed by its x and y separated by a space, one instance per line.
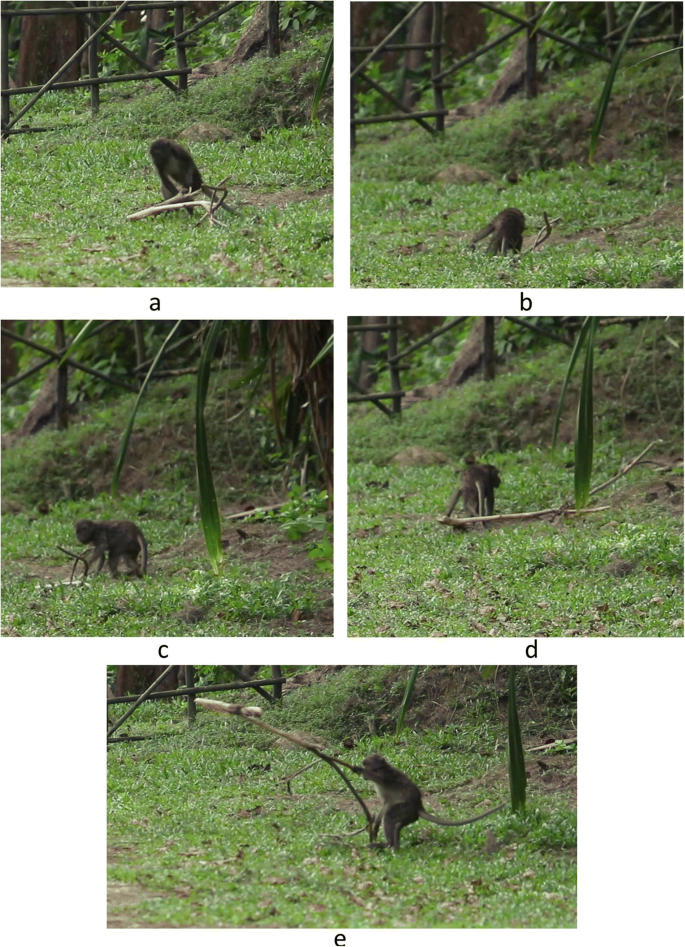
pixel 377 765
pixel 84 530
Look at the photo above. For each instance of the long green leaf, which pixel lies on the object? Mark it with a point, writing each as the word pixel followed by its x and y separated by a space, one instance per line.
pixel 605 96
pixel 83 334
pixel 326 349
pixel 577 348
pixel 517 763
pixel 584 427
pixel 209 508
pixel 323 80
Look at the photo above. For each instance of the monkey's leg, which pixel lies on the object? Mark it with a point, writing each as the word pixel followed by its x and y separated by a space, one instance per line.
pixel 377 824
pixel 132 565
pixel 99 554
pixel 391 829
pixel 170 188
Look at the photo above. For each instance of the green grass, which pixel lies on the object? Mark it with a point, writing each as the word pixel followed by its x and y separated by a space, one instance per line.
pixel 411 576
pixel 228 846
pixel 65 203
pixel 621 223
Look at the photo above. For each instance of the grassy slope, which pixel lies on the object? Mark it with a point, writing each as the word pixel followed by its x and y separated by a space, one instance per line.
pixel 621 220
pixel 66 193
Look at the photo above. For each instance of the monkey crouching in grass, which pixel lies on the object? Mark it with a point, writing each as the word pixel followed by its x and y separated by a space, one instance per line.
pixel 401 802
pixel 176 169
pixel 507 232
pixel 477 487
pixel 116 539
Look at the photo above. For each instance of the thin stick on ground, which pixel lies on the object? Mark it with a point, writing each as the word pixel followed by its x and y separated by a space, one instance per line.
pixel 464 522
pixel 624 470
pixel 76 557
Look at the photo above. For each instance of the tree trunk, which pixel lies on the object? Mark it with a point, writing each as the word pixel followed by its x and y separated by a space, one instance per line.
pixel 418 31
pixel 46 42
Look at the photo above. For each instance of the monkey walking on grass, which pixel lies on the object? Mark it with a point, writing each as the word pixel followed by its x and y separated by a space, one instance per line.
pixel 116 539
pixel 507 232
pixel 477 487
pixel 401 800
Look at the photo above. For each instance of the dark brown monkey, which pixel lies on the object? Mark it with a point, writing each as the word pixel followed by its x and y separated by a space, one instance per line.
pixel 507 232
pixel 477 486
pixel 401 798
pixel 118 539
pixel 175 167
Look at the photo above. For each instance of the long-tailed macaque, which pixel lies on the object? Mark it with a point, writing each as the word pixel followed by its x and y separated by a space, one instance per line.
pixel 477 487
pixel 401 800
pixel 507 232
pixel 116 539
pixel 176 169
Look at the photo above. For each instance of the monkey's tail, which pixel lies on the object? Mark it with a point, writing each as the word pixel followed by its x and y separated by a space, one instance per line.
pixel 476 818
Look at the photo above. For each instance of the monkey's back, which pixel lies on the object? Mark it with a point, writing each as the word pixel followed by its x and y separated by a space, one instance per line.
pixel 175 161
pixel 507 232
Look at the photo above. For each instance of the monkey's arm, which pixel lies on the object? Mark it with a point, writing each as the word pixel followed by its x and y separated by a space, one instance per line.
pixel 476 818
pixel 170 184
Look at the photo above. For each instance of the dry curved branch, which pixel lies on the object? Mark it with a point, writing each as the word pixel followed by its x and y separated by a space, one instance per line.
pixel 75 556
pixel 253 713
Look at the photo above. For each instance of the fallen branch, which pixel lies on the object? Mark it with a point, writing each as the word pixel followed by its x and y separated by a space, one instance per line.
pixel 624 470
pixel 76 557
pixel 544 233
pixel 253 713
pixel 566 741
pixel 465 522
pixel 182 201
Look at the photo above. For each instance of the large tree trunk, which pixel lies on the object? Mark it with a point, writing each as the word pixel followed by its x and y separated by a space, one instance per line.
pixel 418 31
pixel 45 43
pixel 463 28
